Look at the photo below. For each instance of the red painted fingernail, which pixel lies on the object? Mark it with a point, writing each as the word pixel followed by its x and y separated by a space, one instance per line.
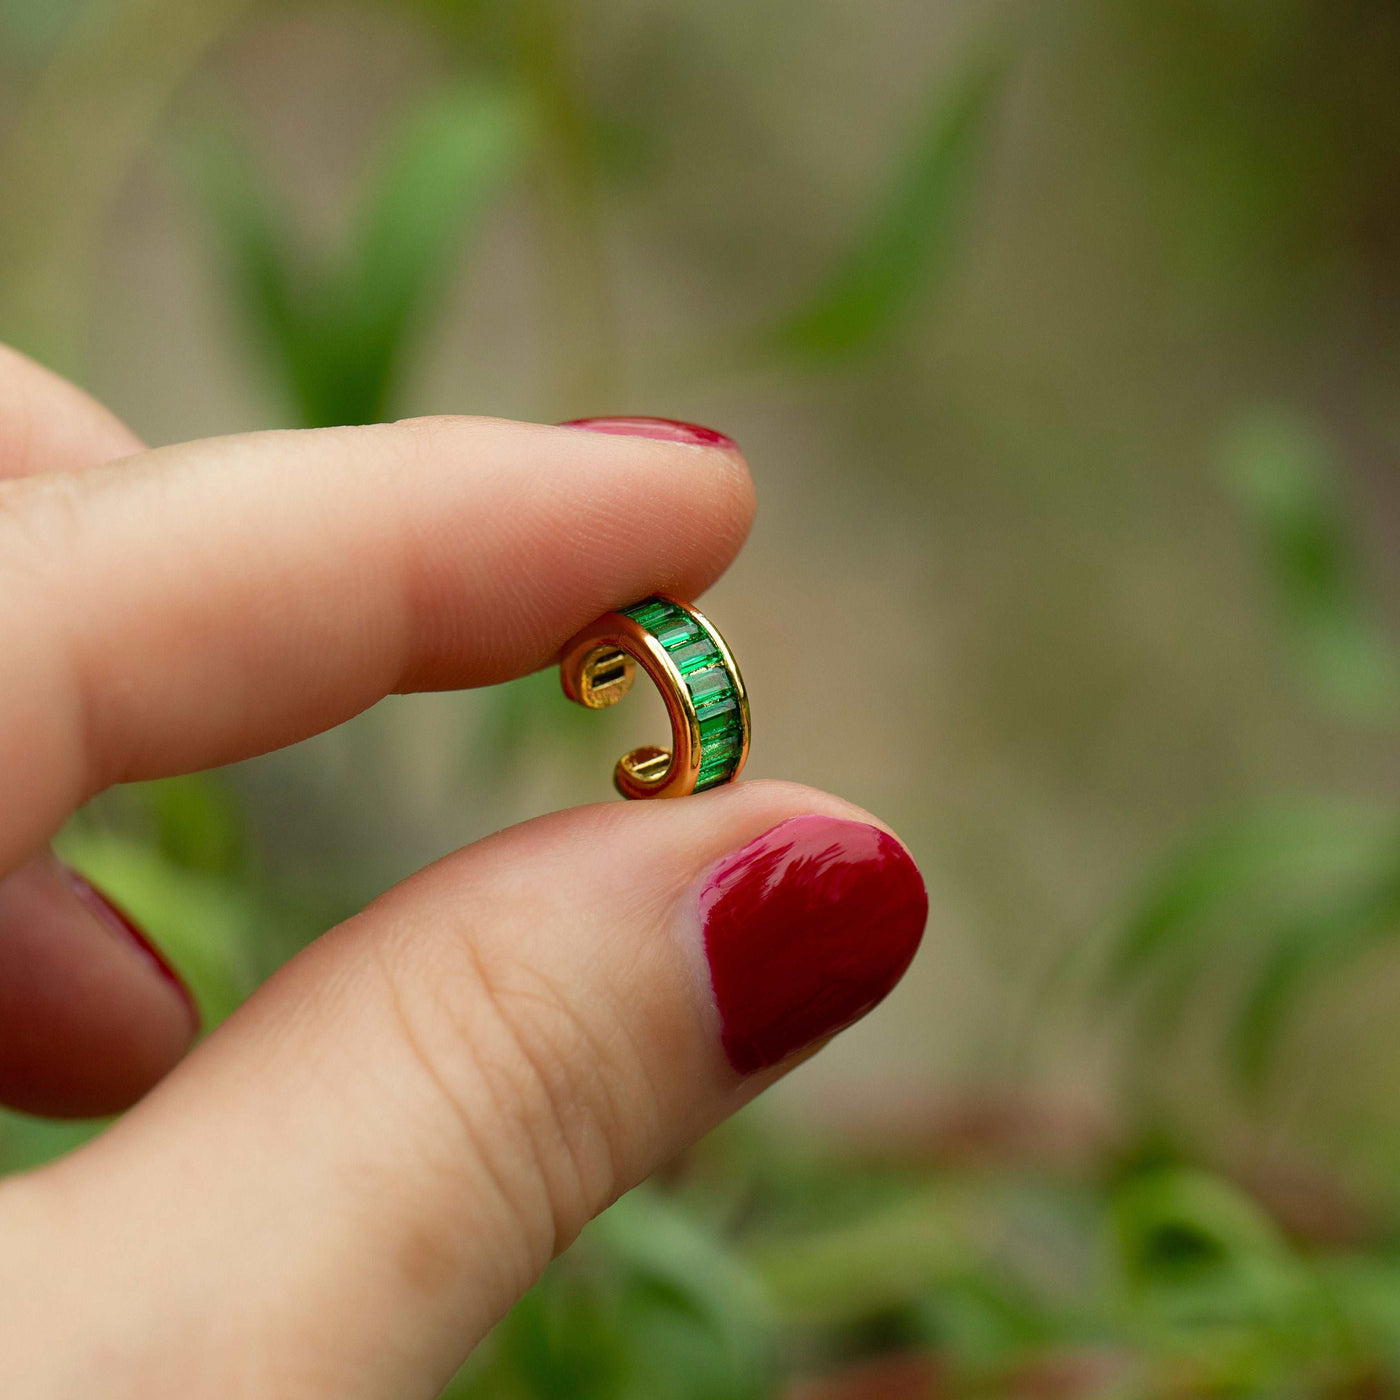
pixel 662 429
pixel 806 929
pixel 121 924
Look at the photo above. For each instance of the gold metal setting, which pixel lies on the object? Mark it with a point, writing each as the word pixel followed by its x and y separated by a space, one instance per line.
pixel 597 668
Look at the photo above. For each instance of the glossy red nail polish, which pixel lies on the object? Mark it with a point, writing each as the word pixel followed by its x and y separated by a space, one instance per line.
pixel 806 929
pixel 661 429
pixel 121 924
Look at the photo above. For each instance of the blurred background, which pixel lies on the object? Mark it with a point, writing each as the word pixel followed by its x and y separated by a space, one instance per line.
pixel 1063 341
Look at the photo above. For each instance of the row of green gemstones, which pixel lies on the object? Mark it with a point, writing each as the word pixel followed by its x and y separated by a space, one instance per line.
pixel 708 680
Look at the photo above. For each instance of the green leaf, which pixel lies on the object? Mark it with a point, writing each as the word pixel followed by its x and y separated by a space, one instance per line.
pixel 1304 950
pixel 436 179
pixel 267 272
pixel 985 1320
pixel 1366 1291
pixel 645 1306
pixel 908 244
pixel 340 327
pixel 1207 1286
pixel 1195 1250
pixel 1285 477
pixel 1259 910
pixel 1229 862
pixel 697 1296
pixel 879 1262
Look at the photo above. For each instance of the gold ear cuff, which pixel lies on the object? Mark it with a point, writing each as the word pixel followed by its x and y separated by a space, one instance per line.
pixel 678 647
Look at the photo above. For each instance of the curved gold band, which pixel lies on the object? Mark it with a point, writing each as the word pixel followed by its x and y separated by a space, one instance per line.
pixel 699 682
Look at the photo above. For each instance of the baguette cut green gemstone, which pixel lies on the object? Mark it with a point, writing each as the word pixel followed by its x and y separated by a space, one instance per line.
pixel 653 612
pixel 678 633
pixel 717 770
pixel 712 685
pixel 716 727
pixel 694 656
pixel 709 685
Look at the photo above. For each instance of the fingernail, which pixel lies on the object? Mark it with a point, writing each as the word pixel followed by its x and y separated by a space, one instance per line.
pixel 119 922
pixel 662 429
pixel 806 929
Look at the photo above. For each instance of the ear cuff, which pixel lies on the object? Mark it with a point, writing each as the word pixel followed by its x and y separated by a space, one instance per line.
pixel 678 647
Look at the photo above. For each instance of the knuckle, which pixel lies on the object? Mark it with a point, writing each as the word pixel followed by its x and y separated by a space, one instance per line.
pixel 40 519
pixel 46 539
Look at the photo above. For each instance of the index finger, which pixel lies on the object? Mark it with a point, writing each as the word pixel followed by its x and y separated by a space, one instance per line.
pixel 48 424
pixel 194 605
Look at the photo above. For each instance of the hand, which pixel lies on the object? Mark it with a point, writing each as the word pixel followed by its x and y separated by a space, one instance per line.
pixel 355 1176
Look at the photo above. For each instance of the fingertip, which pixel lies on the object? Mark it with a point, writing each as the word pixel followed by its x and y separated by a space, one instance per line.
pixel 128 932
pixel 91 1016
pixel 807 928
pixel 657 429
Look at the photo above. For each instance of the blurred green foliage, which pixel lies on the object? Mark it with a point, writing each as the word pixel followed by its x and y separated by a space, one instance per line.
pixel 340 328
pixel 1258 909
pixel 1135 1269
pixel 1286 480
pixel 647 1305
pixel 1143 1279
pixel 912 235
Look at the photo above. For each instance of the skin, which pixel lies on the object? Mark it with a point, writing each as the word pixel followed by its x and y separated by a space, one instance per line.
pixel 342 1189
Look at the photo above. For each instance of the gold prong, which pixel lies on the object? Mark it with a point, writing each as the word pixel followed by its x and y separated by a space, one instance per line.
pixel 642 768
pixel 608 673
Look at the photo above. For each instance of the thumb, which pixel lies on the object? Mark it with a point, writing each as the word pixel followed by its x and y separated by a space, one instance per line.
pixel 356 1176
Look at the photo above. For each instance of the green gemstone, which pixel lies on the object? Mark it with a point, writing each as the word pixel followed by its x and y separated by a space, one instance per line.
pixel 652 612
pixel 717 708
pixel 717 746
pixel 713 773
pixel 720 700
pixel 695 657
pixel 719 719
pixel 676 632
pixel 707 685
